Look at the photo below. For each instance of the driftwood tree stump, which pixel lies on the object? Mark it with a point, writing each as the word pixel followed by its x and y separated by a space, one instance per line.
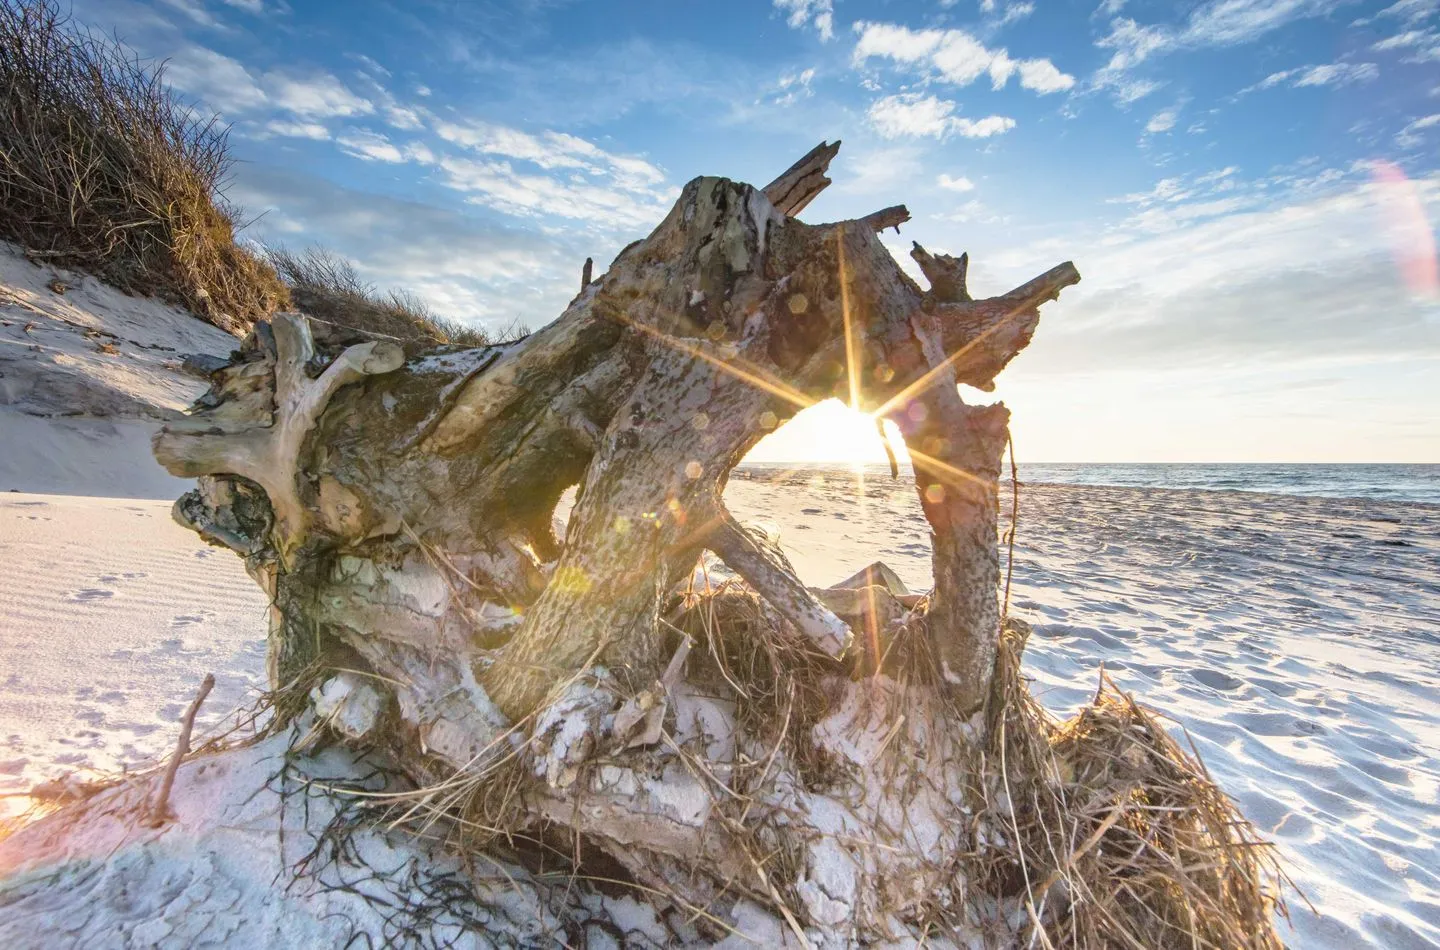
pixel 398 509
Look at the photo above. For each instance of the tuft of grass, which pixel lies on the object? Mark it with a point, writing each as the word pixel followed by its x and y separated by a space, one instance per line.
pixel 1120 837
pixel 326 287
pixel 104 168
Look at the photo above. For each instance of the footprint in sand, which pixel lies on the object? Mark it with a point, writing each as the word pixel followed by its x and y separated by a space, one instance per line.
pixel 89 594
pixel 1215 679
pixel 811 511
pixel 187 620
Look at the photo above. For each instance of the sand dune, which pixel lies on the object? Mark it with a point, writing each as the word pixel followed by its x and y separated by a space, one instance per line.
pixel 86 373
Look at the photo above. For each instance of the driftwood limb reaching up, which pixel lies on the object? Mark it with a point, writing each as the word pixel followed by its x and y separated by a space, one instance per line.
pixel 400 515
pixel 798 185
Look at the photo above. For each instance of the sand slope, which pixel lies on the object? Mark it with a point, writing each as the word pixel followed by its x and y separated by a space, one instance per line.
pixel 86 373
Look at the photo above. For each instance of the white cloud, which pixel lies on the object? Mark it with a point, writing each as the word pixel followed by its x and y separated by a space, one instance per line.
pixel 1199 286
pixel 914 115
pixel 249 6
pixel 1411 11
pixel 1225 22
pixel 817 13
pixel 1332 74
pixel 220 82
pixel 464 266
pixel 984 128
pixel 1016 11
pixel 298 130
pixel 1213 23
pixel 550 150
pixel 1425 43
pixel 1410 135
pixel 499 185
pixel 370 146
pixel 194 11
pixel 878 171
pixel 793 87
pixel 954 56
pixel 368 64
pixel 1109 7
pixel 319 95
pixel 1126 91
pixel 970 211
pixel 1162 121
pixel 955 184
pixel 228 86
pixel 584 182
pixel 404 118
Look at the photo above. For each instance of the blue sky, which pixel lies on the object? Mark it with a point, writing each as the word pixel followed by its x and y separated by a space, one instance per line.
pixel 1249 187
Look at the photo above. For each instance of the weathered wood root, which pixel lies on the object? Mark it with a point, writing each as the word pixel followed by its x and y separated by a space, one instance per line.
pixel 411 539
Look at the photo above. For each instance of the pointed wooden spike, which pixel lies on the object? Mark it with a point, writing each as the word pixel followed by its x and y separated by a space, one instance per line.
pixel 945 273
pixel 891 217
pixel 801 182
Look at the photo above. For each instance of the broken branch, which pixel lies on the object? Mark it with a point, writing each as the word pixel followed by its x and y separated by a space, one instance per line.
pixel 159 812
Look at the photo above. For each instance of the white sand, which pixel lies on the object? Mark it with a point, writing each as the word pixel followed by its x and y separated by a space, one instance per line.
pixel 85 375
pixel 110 616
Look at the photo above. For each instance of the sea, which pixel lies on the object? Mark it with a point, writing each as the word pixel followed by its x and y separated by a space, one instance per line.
pixel 1383 482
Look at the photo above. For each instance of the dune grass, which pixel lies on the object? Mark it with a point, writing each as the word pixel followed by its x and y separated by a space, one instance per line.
pixel 104 168
pixel 326 287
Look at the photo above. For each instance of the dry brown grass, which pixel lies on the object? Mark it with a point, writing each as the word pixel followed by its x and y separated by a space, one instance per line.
pixel 1119 836
pixel 102 167
pixel 326 287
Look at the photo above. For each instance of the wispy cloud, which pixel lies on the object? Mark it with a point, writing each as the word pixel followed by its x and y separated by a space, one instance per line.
pixel 1213 23
pixel 1410 136
pixel 955 57
pixel 914 115
pixel 1014 12
pixel 816 13
pixel 1420 46
pixel 368 145
pixel 226 84
pixel 1162 121
pixel 792 87
pixel 1411 11
pixel 289 128
pixel 467 268
pixel 1332 74
pixel 1198 286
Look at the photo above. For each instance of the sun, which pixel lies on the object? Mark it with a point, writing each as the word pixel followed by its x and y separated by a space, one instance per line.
pixel 829 433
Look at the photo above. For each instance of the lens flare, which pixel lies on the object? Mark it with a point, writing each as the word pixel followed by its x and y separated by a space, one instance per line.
pixel 1412 239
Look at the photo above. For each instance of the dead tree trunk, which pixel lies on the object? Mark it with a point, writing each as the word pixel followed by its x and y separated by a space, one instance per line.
pixel 399 512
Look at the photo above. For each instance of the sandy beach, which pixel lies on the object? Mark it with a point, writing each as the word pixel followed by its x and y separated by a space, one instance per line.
pixel 1295 640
